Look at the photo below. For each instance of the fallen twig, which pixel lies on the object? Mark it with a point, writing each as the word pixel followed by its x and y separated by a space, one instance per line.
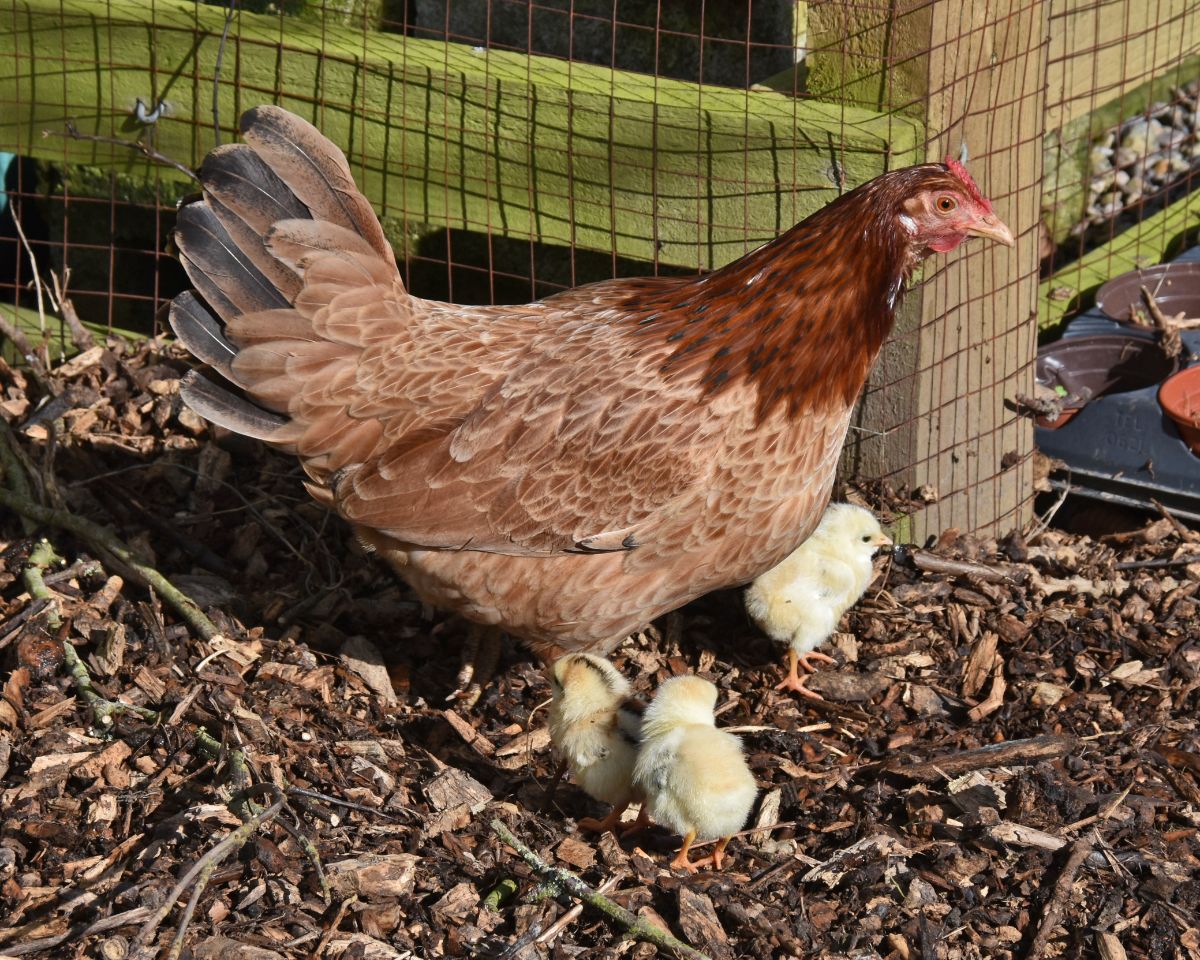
pixel 1059 898
pixel 990 573
pixel 993 755
pixel 103 709
pixel 34 574
pixel 635 927
pixel 203 869
pixel 106 541
pixel 1158 564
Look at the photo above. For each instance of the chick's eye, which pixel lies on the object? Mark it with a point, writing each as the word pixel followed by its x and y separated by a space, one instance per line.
pixel 945 204
pixel 865 539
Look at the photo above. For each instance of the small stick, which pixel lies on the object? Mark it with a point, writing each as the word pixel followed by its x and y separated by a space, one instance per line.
pixel 108 542
pixel 103 709
pixel 1157 564
pixel 203 869
pixel 569 917
pixel 319 950
pixel 1172 346
pixel 81 336
pixel 216 93
pixel 75 934
pixel 1185 532
pixel 149 152
pixel 1059 898
pixel 565 881
pixel 41 557
pixel 993 755
pixel 37 276
pixel 990 573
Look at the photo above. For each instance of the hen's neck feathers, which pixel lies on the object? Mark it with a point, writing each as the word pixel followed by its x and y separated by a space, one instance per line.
pixel 802 317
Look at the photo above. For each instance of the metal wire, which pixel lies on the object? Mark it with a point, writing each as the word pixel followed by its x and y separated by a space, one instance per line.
pixel 1010 76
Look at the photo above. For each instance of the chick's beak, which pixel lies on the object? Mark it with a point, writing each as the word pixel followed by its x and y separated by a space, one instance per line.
pixel 882 540
pixel 992 228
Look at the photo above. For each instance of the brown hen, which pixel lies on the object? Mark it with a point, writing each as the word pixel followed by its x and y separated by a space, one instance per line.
pixel 567 469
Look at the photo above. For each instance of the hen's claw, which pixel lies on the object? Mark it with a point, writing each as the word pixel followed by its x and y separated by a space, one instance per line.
pixel 480 655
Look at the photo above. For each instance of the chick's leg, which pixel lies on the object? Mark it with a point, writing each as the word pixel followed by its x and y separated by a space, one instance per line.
pixel 718 854
pixel 796 683
pixel 480 655
pixel 681 861
pixel 611 822
pixel 638 825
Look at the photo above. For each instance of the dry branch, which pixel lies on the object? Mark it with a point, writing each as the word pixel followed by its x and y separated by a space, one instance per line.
pixel 565 881
pixel 1080 850
pixel 106 541
pixel 993 755
pixel 991 573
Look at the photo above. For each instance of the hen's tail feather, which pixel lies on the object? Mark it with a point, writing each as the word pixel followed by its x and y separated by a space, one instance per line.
pixel 210 255
pixel 275 209
pixel 228 410
pixel 315 171
pixel 201 333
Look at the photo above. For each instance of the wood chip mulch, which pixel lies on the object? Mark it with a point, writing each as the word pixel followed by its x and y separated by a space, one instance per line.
pixel 1007 763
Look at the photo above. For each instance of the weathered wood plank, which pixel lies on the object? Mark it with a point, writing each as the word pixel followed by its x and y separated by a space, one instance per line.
pixel 977 337
pixel 1155 239
pixel 933 413
pixel 527 147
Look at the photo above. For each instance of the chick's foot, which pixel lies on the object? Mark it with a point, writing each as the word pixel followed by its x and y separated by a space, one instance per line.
pixel 611 822
pixel 796 683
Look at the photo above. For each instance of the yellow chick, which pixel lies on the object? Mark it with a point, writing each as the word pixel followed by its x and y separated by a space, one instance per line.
pixel 694 776
pixel 595 725
pixel 801 601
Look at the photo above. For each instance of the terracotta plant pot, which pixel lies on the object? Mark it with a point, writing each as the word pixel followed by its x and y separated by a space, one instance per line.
pixel 1180 397
pixel 1176 288
pixel 1090 367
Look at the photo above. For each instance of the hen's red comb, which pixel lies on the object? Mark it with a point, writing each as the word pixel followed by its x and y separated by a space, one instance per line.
pixel 960 171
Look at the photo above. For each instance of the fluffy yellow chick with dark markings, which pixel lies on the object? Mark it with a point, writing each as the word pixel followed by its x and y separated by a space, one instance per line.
pixel 694 776
pixel 595 726
pixel 800 602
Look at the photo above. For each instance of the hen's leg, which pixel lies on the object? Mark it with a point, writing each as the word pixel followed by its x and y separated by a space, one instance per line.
pixel 480 655
pixel 611 822
pixel 796 683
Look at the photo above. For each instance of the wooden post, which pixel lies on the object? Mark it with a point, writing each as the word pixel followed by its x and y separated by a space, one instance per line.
pixel 934 413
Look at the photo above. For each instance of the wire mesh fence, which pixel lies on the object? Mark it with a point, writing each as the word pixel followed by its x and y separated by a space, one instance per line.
pixel 518 148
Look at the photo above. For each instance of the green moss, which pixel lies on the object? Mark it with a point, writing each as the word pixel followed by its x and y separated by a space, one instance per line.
pixel 522 146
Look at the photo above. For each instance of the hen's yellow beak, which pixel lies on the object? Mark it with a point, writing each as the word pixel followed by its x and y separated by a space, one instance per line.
pixel 993 228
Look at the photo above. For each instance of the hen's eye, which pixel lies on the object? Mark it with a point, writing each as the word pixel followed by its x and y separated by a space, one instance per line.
pixel 946 204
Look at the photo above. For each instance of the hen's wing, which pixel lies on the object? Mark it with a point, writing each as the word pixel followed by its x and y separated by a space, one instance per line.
pixel 579 445
pixel 528 430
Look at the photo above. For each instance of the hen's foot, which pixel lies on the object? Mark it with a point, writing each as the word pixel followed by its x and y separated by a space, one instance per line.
pixel 480 655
